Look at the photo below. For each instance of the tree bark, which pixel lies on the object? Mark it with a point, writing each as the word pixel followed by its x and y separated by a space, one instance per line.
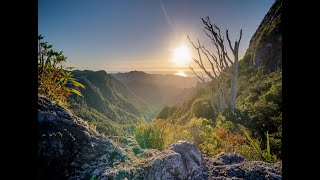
pixel 234 85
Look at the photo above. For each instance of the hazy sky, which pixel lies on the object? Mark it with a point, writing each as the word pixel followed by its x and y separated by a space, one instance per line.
pixel 124 35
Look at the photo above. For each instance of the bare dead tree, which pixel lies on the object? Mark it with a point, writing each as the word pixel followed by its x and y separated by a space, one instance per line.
pixel 222 66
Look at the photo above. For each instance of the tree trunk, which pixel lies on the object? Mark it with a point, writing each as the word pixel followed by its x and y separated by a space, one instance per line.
pixel 234 83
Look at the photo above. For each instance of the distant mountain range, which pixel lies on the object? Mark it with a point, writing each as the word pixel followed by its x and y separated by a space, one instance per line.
pixel 108 103
pixel 116 103
pixel 158 90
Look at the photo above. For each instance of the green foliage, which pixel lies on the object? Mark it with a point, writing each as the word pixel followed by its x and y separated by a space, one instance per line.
pixel 53 81
pixel 164 113
pixel 156 89
pixel 268 33
pixel 275 140
pixel 199 106
pixel 260 101
pixel 259 109
pixel 210 139
pixel 108 104
pixel 264 154
pixel 231 126
pixel 92 178
pixel 103 124
pixel 202 108
pixel 152 135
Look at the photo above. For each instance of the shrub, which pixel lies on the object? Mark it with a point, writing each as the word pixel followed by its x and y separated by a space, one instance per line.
pixel 202 108
pixel 153 135
pixel 210 139
pixel 53 81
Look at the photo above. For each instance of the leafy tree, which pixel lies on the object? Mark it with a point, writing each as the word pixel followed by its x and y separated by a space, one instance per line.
pixel 202 108
pixel 53 81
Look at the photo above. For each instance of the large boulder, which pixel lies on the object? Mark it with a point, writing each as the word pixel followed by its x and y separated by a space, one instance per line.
pixel 69 148
pixel 233 166
pixel 181 160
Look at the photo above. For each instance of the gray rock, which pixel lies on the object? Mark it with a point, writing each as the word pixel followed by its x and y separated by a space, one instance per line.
pixel 233 166
pixel 265 48
pixel 69 149
pixel 226 159
pixel 181 161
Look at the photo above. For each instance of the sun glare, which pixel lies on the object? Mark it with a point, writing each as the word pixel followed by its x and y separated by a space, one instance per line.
pixel 181 56
pixel 181 73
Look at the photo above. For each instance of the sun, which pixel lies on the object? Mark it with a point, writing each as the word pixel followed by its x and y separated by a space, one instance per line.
pixel 181 73
pixel 181 56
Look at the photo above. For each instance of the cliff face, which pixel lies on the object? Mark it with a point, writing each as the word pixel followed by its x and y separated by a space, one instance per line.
pixel 68 148
pixel 265 48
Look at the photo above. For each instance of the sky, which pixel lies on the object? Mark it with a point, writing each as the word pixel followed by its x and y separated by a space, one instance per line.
pixel 126 35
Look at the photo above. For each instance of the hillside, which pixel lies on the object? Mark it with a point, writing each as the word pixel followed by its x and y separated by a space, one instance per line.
pixel 157 89
pixel 259 99
pixel 68 148
pixel 265 48
pixel 257 79
pixel 108 104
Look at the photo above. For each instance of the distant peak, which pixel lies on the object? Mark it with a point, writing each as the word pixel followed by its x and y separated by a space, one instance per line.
pixel 101 71
pixel 138 72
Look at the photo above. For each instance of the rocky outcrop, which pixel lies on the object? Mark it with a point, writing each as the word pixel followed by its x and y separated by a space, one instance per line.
pixel 233 166
pixel 265 48
pixel 182 160
pixel 68 148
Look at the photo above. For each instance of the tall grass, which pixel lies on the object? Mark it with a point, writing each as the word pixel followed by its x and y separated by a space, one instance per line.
pixel 264 154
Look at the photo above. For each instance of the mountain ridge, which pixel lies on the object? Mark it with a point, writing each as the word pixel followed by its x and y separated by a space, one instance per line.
pixel 108 100
pixel 265 47
pixel 156 89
